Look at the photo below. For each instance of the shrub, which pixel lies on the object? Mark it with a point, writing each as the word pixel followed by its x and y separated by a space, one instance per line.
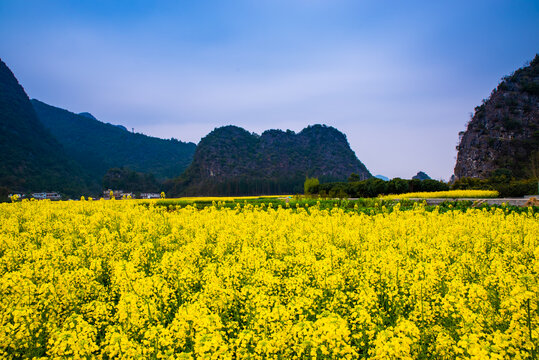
pixel 397 186
pixel 311 186
pixel 517 188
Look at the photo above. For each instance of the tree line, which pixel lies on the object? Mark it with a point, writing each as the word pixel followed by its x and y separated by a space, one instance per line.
pixel 371 187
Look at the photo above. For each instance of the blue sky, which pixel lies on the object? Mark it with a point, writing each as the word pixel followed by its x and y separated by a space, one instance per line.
pixel 400 79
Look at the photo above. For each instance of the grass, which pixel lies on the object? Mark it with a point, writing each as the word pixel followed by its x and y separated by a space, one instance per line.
pixel 363 205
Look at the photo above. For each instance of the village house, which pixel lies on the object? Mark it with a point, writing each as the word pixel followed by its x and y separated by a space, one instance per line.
pixel 118 194
pixel 150 196
pixel 47 196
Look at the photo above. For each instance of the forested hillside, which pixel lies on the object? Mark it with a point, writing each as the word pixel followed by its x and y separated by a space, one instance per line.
pixel 30 157
pixel 232 161
pixel 99 147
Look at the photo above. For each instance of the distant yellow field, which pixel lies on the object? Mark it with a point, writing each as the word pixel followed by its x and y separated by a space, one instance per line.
pixel 452 194
pixel 229 198
pixel 194 199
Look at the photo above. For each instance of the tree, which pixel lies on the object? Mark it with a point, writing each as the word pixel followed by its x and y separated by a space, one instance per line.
pixel 354 177
pixel 310 186
pixel 375 187
pixel 397 186
pixel 533 169
pixel 501 176
pixel 4 192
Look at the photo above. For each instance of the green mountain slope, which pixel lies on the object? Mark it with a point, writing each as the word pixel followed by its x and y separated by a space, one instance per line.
pixel 232 161
pixel 98 146
pixel 30 158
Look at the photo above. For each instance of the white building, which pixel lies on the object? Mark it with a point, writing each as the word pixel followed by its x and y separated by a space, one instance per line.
pixel 47 195
pixel 150 196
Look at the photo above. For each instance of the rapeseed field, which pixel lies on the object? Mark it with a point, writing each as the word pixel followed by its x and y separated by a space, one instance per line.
pixel 450 194
pixel 118 280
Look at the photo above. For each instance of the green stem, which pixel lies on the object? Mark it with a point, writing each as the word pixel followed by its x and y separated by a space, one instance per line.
pixel 528 319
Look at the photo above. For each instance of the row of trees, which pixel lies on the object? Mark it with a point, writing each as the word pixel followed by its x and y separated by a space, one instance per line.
pixel 501 180
pixel 371 187
pixel 236 186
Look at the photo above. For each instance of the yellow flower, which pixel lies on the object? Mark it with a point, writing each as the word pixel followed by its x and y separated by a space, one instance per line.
pixel 129 279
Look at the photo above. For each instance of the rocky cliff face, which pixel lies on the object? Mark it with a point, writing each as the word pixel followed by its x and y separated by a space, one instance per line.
pixel 230 160
pixel 504 131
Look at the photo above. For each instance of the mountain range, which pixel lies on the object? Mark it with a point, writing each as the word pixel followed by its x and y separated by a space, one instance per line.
pixel 46 148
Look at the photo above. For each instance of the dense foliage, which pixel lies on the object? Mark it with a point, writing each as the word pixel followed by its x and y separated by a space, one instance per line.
pixel 120 279
pixel 503 181
pixel 232 161
pixel 130 181
pixel 30 158
pixel 98 146
pixel 240 185
pixel 506 187
pixel 374 187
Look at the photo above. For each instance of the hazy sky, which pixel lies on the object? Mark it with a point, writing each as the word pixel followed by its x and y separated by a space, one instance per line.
pixel 399 78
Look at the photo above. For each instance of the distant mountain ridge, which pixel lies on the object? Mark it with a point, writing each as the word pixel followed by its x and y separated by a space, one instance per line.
pixel 88 115
pixel 31 159
pixel 232 161
pixel 421 176
pixel 98 146
pixel 504 131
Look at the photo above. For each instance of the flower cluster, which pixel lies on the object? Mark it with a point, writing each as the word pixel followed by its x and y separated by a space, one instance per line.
pixel 121 280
